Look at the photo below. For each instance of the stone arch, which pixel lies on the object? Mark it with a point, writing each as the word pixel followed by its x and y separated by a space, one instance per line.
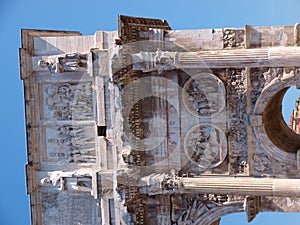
pixel 215 214
pixel 267 119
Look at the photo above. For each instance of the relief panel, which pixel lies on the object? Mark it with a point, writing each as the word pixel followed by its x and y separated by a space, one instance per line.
pixel 68 143
pixel 66 101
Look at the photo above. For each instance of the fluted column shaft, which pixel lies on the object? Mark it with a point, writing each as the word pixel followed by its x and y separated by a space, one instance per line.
pixel 242 186
pixel 239 58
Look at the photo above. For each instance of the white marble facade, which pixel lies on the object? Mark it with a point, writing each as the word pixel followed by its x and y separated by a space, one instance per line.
pixel 122 127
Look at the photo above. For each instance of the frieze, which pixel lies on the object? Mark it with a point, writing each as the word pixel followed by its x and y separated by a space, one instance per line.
pixel 237 119
pixel 160 61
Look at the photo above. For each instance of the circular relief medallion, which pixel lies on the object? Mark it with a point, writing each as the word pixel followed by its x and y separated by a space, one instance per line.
pixel 204 95
pixel 206 145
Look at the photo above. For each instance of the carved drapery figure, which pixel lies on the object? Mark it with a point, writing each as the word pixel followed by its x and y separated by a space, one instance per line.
pixel 75 144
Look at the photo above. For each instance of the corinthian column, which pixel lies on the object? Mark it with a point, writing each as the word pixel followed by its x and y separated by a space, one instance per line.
pixel 242 186
pixel 267 57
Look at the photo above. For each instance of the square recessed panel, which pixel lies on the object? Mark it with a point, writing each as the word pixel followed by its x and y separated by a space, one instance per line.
pixel 69 144
pixel 67 101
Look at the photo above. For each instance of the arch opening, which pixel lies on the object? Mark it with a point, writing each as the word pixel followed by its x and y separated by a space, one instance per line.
pixel 275 126
pixel 291 108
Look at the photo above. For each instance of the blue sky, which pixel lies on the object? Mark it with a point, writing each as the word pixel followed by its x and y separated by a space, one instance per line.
pixel 87 17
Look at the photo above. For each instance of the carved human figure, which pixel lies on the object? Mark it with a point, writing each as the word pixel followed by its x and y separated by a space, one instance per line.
pixel 56 179
pixel 50 65
pixel 67 63
pixel 87 151
pixel 204 95
pixel 79 141
pixel 69 181
pixel 206 146
pixel 261 161
pixel 70 131
pixel 79 158
pixel 164 61
pixel 72 62
pixel 70 101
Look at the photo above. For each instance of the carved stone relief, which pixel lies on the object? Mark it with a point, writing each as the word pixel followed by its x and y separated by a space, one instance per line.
pixel 233 38
pixel 268 159
pixel 280 204
pixel 266 165
pixel 68 143
pixel 237 119
pixel 257 82
pixel 76 182
pixel 204 95
pixel 275 75
pixel 67 63
pixel 206 146
pixel 67 101
pixel 262 77
pixel 197 209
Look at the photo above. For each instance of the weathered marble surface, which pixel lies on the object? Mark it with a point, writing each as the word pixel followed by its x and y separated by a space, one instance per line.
pixel 154 126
